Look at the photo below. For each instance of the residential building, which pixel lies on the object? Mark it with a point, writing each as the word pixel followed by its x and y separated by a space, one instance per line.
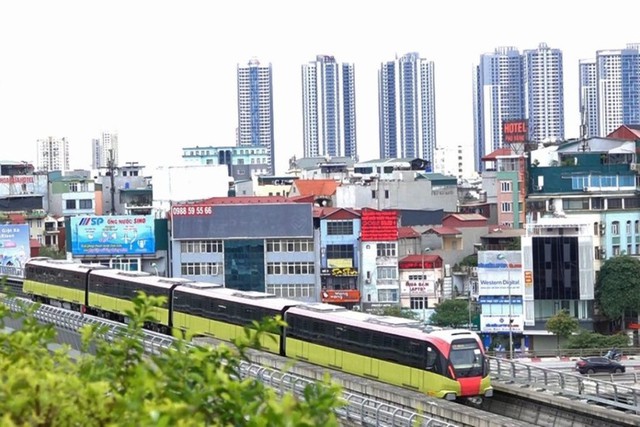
pixel 329 108
pixel 52 154
pixel 544 93
pixel 241 162
pixel 104 151
pixel 74 193
pixel 126 191
pixel 406 102
pixel 339 255
pixel 505 186
pixel 249 244
pixel 609 92
pixel 421 277
pixel 510 86
pixel 255 109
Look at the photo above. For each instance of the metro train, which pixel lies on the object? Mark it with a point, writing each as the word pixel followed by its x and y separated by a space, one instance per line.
pixel 447 364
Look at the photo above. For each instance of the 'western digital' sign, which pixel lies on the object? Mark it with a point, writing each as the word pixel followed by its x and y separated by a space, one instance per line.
pixel 112 235
pixel 514 131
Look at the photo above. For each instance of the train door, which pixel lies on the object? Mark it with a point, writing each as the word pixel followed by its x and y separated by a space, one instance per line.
pixel 417 351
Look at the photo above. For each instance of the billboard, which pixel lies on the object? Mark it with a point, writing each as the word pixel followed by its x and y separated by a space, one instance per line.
pixel 500 273
pixel 379 226
pixel 515 131
pixel 14 245
pixel 113 235
pixel 500 323
pixel 242 221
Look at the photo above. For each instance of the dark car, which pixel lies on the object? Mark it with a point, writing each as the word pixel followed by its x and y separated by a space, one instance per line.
pixel 593 365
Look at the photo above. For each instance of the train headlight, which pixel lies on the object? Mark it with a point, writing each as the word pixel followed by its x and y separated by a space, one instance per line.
pixel 450 396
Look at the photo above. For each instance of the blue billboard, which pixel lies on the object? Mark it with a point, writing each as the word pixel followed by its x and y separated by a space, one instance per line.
pixel 14 245
pixel 112 235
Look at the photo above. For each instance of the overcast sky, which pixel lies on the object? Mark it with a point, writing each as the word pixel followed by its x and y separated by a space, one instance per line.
pixel 163 73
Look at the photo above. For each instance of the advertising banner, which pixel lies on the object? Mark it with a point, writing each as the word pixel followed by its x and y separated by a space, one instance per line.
pixel 14 246
pixel 499 273
pixel 112 235
pixel 500 323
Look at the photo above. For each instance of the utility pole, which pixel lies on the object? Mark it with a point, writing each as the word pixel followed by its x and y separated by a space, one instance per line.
pixel 111 166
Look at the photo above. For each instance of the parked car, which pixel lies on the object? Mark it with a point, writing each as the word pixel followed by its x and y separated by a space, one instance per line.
pixel 593 365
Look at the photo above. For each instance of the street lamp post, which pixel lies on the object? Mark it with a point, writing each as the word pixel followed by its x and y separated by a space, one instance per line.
pixel 504 258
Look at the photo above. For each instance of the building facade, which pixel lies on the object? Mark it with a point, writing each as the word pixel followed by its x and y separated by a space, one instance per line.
pixel 255 109
pixel 609 92
pixel 407 119
pixel 52 154
pixel 329 108
pixel 241 162
pixel 104 150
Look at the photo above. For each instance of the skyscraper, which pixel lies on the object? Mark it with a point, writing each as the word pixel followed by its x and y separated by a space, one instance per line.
pixel 613 77
pixel 588 97
pixel 104 149
pixel 498 96
pixel 255 108
pixel 406 105
pixel 52 154
pixel 328 117
pixel 544 93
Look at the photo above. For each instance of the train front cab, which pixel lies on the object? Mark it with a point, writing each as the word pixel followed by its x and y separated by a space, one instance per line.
pixel 344 340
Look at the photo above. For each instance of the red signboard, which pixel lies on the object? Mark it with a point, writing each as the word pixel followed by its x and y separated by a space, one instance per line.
pixel 340 296
pixel 379 226
pixel 514 131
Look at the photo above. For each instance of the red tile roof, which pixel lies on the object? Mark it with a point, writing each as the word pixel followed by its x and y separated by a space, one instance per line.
pixel 316 187
pixel 407 232
pixel 444 231
pixel 467 217
pixel 17 218
pixel 325 211
pixel 245 200
pixel 420 258
pixel 499 152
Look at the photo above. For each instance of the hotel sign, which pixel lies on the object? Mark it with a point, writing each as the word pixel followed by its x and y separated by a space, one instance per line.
pixel 515 131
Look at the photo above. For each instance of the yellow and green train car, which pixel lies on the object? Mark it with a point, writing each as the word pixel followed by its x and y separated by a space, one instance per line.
pixel 111 294
pixel 59 282
pixel 223 314
pixel 444 364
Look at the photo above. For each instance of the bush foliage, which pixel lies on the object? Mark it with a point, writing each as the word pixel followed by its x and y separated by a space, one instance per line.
pixel 119 385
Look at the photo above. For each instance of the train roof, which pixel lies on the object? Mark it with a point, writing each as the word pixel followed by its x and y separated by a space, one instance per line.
pixel 258 299
pixel 63 264
pixel 141 277
pixel 388 324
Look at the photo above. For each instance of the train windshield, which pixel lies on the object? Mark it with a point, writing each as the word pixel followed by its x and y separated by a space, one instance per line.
pixel 467 359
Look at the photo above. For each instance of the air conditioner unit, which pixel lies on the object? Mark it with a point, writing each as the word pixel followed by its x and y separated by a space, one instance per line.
pixel 585 188
pixel 367 281
pixel 634 167
pixel 602 231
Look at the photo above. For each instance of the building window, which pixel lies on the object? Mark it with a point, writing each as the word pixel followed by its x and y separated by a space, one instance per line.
pixel 290 290
pixel 201 246
pixel 616 250
pixel 339 252
pixel 387 295
pixel 70 204
pixel 636 227
pixel 73 187
pixel 86 204
pixel 387 273
pixel 506 207
pixel 386 249
pixel 280 268
pixel 201 268
pixel 505 186
pixel 628 227
pixel 386 194
pixel 340 228
pixel 294 245
pixel 418 303
pixel 373 194
pixel 615 228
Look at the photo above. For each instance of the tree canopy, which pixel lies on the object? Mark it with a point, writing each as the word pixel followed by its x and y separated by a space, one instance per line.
pixel 121 386
pixel 562 325
pixel 451 313
pixel 618 288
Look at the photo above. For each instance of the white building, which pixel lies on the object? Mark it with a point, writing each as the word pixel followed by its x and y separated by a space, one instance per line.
pixel 52 154
pixel 104 149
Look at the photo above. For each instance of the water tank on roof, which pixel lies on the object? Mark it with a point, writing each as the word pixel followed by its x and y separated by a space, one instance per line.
pixel 126 185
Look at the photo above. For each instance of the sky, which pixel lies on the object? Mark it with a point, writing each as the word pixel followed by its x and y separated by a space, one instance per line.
pixel 162 74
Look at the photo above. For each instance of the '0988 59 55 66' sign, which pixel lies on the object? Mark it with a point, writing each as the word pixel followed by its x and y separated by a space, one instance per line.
pixel 191 210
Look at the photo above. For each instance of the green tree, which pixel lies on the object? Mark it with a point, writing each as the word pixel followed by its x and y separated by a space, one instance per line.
pixel 588 339
pixel 451 313
pixel 52 252
pixel 618 288
pixel 396 311
pixel 121 386
pixel 562 325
